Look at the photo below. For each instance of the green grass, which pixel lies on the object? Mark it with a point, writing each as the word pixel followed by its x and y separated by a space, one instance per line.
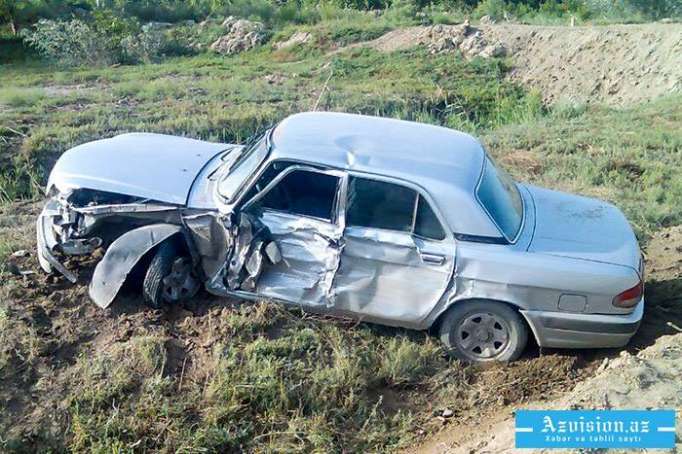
pixel 5 251
pixel 227 99
pixel 20 182
pixel 312 387
pixel 630 157
pixel 21 97
pixel 623 156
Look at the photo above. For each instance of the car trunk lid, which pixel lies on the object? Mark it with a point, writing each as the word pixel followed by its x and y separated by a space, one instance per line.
pixel 582 228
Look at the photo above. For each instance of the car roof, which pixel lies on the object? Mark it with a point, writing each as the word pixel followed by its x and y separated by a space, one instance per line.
pixel 444 162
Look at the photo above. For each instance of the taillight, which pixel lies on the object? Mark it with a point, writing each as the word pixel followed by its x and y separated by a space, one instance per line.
pixel 630 297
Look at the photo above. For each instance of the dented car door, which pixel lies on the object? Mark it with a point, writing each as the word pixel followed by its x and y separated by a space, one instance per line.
pixel 300 211
pixel 398 259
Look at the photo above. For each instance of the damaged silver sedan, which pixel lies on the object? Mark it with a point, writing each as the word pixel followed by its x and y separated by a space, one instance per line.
pixel 386 221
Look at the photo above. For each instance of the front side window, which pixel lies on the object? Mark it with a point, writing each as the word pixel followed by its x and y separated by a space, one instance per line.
pixel 269 174
pixel 389 206
pixel 303 193
pixel 500 197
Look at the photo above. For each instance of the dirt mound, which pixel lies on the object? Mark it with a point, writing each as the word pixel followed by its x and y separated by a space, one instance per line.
pixel 296 39
pixel 650 379
pixel 616 65
pixel 663 290
pixel 469 41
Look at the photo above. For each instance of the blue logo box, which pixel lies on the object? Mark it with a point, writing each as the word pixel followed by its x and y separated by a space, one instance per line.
pixel 595 429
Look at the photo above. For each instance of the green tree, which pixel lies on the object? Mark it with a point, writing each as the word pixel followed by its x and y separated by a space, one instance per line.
pixel 16 14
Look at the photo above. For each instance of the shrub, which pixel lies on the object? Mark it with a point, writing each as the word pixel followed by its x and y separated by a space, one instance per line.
pixel 71 43
pixel 634 10
pixel 144 47
pixel 152 44
pixel 401 12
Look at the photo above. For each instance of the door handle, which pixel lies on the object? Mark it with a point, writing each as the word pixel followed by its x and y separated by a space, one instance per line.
pixel 436 259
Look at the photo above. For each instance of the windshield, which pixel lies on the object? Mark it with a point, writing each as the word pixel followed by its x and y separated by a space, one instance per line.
pixel 240 166
pixel 500 197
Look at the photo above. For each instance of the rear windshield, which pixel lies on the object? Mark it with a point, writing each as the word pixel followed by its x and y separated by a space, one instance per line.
pixel 500 197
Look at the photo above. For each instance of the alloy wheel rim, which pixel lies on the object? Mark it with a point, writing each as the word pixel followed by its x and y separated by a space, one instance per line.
pixel 483 335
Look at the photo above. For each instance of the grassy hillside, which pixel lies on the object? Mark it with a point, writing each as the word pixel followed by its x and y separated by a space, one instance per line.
pixel 630 157
pixel 226 99
pixel 621 155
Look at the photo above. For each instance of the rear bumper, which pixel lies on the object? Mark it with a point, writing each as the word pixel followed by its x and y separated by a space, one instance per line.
pixel 575 330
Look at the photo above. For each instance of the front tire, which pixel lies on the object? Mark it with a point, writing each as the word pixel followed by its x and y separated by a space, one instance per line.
pixel 170 277
pixel 483 331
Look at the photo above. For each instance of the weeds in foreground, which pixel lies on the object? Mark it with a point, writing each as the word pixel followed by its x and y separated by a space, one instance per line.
pixel 19 182
pixel 268 379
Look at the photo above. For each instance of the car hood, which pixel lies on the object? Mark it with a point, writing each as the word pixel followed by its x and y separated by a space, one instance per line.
pixel 583 228
pixel 153 166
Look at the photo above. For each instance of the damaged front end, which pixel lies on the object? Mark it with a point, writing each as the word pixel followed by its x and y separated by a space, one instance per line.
pixel 228 256
pixel 76 223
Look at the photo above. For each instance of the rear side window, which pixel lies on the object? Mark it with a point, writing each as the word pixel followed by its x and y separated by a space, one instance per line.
pixel 381 205
pixel 303 193
pixel 426 223
pixel 388 206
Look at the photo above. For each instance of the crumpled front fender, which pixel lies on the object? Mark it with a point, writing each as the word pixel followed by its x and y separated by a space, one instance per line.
pixel 120 258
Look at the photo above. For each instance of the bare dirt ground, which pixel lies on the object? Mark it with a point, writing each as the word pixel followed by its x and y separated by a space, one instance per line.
pixel 616 65
pixel 648 379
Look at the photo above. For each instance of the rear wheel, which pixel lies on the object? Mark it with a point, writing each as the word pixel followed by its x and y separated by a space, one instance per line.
pixel 170 277
pixel 482 331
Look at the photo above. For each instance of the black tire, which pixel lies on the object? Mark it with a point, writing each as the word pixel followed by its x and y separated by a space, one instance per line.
pixel 160 267
pixel 495 332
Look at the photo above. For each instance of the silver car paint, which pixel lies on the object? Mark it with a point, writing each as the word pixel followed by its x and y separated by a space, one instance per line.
pixel 112 271
pixel 153 166
pixel 583 228
pixel 202 193
pixel 390 277
pixel 450 170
